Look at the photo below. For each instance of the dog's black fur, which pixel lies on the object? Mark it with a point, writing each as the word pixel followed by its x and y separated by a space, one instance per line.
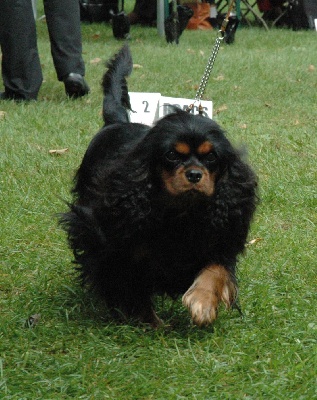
pixel 159 210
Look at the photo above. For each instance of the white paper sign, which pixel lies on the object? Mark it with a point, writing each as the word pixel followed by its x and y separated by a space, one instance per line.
pixel 167 102
pixel 144 107
pixel 149 107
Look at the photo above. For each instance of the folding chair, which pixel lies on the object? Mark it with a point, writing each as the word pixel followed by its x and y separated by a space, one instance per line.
pixel 250 8
pixel 243 8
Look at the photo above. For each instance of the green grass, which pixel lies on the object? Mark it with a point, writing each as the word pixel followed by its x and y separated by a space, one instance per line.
pixel 75 351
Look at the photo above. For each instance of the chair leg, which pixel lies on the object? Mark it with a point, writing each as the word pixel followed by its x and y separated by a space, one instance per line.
pixel 278 18
pixel 246 3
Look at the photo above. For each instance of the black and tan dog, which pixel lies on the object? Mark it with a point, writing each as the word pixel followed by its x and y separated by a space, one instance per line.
pixel 159 210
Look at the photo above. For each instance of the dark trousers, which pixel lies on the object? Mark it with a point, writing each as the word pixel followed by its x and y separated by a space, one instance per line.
pixel 63 21
pixel 21 69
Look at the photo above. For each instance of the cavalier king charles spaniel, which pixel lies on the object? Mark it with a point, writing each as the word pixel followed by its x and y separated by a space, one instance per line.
pixel 162 209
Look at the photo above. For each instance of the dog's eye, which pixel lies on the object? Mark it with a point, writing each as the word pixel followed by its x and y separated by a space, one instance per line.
pixel 210 158
pixel 172 156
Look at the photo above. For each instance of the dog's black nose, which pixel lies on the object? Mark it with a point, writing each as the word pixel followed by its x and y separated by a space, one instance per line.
pixel 194 175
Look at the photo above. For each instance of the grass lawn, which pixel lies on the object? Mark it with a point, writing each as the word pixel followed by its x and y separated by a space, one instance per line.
pixel 264 92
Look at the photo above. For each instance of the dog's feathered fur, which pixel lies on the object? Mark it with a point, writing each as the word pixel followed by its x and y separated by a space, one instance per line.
pixel 159 210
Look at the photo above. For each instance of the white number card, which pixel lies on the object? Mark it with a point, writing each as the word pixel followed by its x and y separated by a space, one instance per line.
pixel 149 107
pixel 145 107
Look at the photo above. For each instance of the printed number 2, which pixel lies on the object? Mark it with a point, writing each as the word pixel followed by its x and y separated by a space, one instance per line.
pixel 146 108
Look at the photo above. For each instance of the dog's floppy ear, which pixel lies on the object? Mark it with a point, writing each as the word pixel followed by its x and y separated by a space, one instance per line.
pixel 128 193
pixel 239 174
pixel 236 195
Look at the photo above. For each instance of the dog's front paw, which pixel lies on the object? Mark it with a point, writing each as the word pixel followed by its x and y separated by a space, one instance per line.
pixel 202 305
pixel 213 285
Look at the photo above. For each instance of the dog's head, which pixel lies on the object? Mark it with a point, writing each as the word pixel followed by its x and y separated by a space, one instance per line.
pixel 189 154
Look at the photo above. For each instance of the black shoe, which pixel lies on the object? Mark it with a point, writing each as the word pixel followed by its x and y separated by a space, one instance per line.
pixel 75 85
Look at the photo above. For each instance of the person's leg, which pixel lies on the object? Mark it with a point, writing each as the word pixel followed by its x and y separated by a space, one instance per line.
pixel 63 21
pixel 21 68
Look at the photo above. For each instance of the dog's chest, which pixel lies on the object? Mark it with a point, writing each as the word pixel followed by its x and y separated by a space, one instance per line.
pixel 173 250
pixel 186 238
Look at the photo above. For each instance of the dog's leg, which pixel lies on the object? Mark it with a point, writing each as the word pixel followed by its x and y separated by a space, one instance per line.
pixel 149 316
pixel 141 309
pixel 213 285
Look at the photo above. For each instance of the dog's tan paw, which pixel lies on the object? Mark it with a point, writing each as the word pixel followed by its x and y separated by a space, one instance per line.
pixel 202 305
pixel 212 286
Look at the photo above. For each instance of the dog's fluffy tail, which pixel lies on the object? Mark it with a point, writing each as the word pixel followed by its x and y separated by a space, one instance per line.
pixel 116 100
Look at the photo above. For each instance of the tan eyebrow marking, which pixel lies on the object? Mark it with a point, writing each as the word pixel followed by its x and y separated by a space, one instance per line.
pixel 182 148
pixel 205 148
